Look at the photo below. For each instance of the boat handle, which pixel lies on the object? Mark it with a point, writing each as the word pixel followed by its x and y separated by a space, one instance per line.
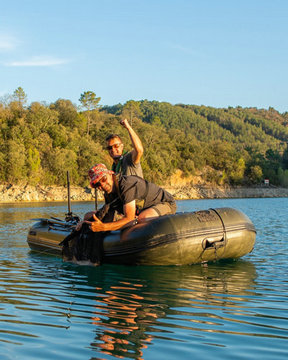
pixel 213 243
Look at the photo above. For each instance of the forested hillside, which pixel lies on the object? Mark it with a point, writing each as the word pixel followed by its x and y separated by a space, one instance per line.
pixel 235 146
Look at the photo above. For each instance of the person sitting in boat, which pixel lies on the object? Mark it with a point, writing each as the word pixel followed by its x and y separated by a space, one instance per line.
pixel 132 196
pixel 124 162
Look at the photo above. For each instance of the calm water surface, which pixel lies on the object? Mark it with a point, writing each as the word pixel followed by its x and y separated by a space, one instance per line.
pixel 236 309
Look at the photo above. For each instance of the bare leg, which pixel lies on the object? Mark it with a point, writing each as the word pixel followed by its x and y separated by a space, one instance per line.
pixel 148 214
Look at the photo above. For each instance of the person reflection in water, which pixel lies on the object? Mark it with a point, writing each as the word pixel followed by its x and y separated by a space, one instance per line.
pixel 126 322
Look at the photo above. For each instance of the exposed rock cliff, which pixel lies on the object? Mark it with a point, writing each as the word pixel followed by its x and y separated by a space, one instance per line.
pixel 16 193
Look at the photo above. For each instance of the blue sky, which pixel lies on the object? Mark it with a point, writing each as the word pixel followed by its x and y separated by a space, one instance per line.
pixel 217 53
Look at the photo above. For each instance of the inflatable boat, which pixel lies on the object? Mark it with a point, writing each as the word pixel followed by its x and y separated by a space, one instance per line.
pixel 180 239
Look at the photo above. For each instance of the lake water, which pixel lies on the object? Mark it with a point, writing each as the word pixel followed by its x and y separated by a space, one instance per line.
pixel 228 310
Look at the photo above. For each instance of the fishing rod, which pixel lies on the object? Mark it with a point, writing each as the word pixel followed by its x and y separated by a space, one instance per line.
pixel 96 199
pixel 69 198
pixel 70 216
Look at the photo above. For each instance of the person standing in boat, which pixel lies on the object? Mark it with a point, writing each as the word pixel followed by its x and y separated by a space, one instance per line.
pixel 132 196
pixel 124 162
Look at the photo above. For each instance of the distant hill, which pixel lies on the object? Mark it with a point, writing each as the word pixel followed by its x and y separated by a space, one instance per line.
pixel 194 144
pixel 233 145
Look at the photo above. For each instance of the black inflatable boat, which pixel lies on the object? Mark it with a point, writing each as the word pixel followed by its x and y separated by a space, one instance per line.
pixel 180 239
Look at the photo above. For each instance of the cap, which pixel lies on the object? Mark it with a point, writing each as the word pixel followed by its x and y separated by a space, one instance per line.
pixel 97 172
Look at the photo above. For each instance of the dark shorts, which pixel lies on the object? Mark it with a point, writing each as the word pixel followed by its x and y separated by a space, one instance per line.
pixel 164 208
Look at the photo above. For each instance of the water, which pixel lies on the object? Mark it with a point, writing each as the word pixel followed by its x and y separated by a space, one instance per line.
pixel 235 309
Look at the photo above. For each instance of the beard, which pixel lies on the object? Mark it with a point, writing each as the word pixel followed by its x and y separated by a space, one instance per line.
pixel 117 157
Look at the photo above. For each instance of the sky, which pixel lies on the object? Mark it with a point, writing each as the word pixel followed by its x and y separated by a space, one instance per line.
pixel 216 53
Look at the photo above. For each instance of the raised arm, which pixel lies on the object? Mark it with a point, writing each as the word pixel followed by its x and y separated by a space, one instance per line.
pixel 138 150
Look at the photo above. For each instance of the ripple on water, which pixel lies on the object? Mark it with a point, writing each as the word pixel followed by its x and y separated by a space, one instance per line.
pixel 229 309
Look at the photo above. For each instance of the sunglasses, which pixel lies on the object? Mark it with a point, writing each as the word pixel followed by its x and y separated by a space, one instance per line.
pixel 110 147
pixel 99 183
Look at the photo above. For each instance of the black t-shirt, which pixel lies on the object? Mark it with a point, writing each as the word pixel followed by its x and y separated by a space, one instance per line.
pixel 135 188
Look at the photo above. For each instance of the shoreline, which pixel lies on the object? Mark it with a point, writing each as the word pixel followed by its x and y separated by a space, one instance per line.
pixel 10 193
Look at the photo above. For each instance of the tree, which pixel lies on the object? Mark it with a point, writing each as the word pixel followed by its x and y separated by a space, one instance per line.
pixel 40 118
pixel 283 177
pixel 285 158
pixel 132 110
pixel 61 161
pixel 33 162
pixel 256 174
pixel 90 102
pixel 156 121
pixel 15 162
pixel 68 115
pixel 20 96
pixel 237 173
pixel 88 153
pixel 274 158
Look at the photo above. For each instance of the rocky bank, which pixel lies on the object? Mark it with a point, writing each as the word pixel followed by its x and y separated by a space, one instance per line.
pixel 10 193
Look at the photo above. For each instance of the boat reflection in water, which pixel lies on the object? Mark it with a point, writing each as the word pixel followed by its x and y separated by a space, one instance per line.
pixel 134 305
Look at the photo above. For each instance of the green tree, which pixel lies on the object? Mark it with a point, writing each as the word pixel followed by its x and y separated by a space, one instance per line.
pixel 285 158
pixel 60 135
pixel 256 174
pixel 61 161
pixel 33 162
pixel 156 121
pixel 131 110
pixel 90 102
pixel 2 165
pixel 88 153
pixel 283 177
pixel 15 162
pixel 41 119
pixel 237 172
pixel 20 96
pixel 67 113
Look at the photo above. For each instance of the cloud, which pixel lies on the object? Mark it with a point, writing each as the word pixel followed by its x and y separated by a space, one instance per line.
pixel 7 42
pixel 39 61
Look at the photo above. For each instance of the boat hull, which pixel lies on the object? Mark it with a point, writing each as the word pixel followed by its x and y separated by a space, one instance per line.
pixel 180 239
